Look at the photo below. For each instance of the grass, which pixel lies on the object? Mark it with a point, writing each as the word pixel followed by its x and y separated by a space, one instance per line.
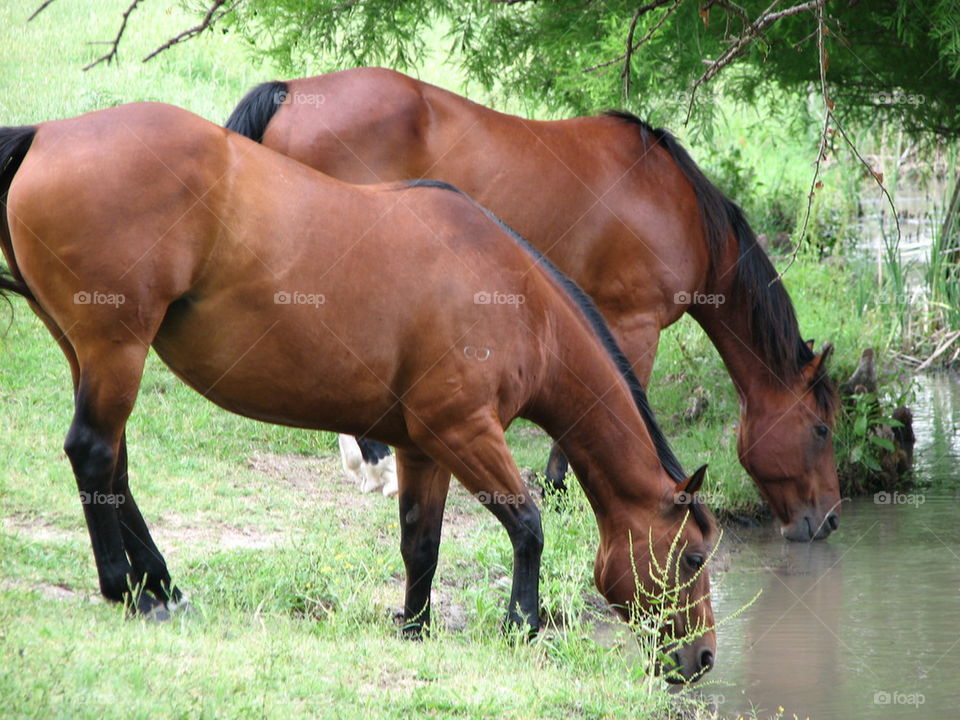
pixel 294 576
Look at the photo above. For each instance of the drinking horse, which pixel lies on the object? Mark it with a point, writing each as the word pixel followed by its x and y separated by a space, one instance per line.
pixel 146 226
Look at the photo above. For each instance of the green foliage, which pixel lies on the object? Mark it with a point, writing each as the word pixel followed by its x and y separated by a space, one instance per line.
pixel 858 440
pixel 886 59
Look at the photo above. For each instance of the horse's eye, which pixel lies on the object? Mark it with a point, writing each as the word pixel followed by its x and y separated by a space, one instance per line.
pixel 695 561
pixel 821 430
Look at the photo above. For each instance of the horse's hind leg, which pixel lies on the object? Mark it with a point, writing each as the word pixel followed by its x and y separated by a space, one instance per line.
pixel 147 561
pixel 109 378
pixel 476 452
pixel 149 567
pixel 422 495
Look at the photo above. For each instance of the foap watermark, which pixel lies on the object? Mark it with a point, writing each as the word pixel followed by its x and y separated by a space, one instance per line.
pixel 285 97
pixel 898 97
pixel 95 297
pixel 914 699
pixel 282 297
pixel 99 498
pixel 707 498
pixel 897 498
pixel 500 498
pixel 714 700
pixel 498 298
pixel 698 298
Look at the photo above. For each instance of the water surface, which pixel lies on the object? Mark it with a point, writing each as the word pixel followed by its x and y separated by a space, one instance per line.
pixel 866 624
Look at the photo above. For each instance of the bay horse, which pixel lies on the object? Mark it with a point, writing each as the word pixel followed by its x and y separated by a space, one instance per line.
pixel 622 209
pixel 145 226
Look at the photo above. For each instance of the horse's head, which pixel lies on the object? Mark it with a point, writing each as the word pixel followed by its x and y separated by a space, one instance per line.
pixel 786 444
pixel 653 565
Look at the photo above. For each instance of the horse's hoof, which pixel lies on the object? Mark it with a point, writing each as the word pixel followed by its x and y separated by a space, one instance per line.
pixel 182 608
pixel 158 613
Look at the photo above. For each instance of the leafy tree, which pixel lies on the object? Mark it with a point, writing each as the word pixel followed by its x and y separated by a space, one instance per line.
pixel 883 58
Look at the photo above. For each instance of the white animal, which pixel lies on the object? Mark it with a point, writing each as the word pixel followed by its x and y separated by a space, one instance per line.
pixel 369 477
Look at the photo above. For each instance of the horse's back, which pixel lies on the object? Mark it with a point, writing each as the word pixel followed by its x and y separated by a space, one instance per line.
pixel 599 195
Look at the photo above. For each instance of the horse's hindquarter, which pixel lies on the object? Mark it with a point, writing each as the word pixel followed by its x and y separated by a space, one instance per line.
pixel 108 217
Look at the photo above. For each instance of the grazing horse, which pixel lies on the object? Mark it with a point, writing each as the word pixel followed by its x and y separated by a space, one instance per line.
pixel 144 225
pixel 623 210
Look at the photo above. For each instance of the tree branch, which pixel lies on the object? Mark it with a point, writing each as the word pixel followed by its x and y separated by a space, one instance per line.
pixel 822 148
pixel 642 10
pixel 208 21
pixel 828 116
pixel 750 33
pixel 44 6
pixel 628 55
pixel 115 44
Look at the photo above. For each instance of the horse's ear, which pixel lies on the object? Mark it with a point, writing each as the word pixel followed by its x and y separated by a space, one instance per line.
pixel 826 351
pixel 818 365
pixel 694 482
pixel 810 344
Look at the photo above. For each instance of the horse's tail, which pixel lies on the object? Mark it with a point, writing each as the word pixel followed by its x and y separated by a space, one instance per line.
pixel 252 114
pixel 14 144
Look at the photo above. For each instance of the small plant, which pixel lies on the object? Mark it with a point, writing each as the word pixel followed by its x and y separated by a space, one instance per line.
pixel 867 448
pixel 653 611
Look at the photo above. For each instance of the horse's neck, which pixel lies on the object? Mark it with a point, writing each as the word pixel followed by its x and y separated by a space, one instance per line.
pixel 724 316
pixel 587 406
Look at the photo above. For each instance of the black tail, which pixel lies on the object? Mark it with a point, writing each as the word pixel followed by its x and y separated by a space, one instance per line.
pixel 14 143
pixel 252 114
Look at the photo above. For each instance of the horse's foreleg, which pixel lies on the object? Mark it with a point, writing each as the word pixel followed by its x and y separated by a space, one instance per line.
pixel 638 336
pixel 477 454
pixel 422 496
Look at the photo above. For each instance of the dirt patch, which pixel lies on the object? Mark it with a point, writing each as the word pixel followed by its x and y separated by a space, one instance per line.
pixel 320 480
pixel 173 532
pixel 60 591
pixel 37 529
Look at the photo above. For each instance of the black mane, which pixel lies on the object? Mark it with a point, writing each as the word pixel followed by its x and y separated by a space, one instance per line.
pixel 665 454
pixel 772 321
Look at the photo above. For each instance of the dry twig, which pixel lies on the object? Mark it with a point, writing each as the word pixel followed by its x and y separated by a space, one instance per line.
pixel 44 6
pixel 115 43
pixel 208 21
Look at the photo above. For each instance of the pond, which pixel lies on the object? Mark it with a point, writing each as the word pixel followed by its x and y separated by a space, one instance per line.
pixel 863 625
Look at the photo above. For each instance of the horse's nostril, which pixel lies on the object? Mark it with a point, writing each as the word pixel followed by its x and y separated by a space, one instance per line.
pixel 706 659
pixel 833 521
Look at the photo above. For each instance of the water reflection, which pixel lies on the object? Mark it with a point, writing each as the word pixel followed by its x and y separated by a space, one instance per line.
pixel 863 626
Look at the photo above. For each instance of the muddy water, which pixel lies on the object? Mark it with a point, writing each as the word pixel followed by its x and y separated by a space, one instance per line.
pixel 864 625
